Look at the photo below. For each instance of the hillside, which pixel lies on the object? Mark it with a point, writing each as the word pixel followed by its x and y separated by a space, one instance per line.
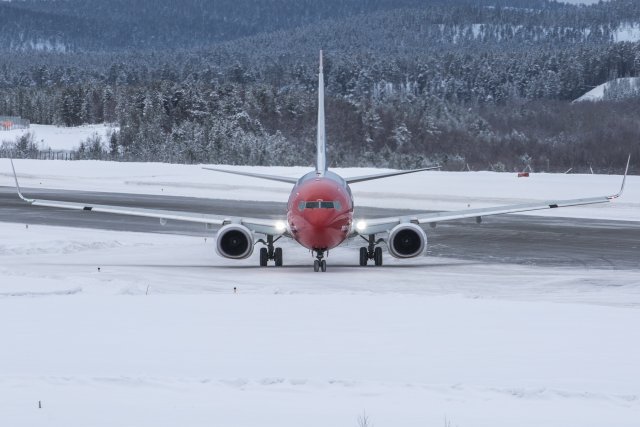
pixel 79 25
pixel 483 83
pixel 90 25
pixel 622 88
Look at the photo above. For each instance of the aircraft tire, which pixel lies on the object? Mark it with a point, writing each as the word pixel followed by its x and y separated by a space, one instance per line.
pixel 264 257
pixel 278 257
pixel 323 265
pixel 316 266
pixel 364 256
pixel 377 256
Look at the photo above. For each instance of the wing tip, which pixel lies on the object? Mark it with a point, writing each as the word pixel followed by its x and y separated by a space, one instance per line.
pixel 15 178
pixel 624 180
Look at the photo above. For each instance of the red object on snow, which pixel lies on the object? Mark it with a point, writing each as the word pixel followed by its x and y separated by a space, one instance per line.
pixel 523 174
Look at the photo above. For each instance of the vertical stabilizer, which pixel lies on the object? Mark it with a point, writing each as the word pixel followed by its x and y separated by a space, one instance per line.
pixel 321 157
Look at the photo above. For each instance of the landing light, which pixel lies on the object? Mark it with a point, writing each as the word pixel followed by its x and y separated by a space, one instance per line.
pixel 361 225
pixel 281 226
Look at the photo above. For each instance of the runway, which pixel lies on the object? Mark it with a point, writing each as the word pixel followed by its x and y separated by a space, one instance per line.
pixel 515 239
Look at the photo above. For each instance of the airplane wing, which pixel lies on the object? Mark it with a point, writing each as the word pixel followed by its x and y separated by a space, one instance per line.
pixel 382 225
pixel 257 225
pixel 279 178
pixel 355 179
pixel 351 180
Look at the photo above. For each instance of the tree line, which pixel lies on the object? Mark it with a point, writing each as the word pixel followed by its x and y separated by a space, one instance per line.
pixel 405 88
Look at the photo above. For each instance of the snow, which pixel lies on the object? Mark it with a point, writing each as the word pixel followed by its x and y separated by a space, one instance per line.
pixel 158 338
pixel 57 137
pixel 598 92
pixel 595 94
pixel 627 33
pixel 431 190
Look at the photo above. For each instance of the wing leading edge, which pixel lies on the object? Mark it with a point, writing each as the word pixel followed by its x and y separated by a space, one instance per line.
pixel 363 178
pixel 278 178
pixel 382 225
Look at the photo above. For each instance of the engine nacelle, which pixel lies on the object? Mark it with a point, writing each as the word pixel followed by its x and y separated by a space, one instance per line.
pixel 407 241
pixel 235 241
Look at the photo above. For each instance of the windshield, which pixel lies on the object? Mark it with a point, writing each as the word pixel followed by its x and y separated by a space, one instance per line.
pixel 319 204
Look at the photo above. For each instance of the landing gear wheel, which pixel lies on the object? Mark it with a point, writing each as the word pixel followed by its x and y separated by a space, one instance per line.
pixel 316 266
pixel 264 257
pixel 277 255
pixel 377 256
pixel 364 256
pixel 323 265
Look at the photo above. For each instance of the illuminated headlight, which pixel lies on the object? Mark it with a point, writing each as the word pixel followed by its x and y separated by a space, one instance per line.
pixel 281 226
pixel 361 225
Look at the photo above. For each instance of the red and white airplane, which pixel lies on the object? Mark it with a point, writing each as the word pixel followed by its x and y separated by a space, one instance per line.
pixel 320 214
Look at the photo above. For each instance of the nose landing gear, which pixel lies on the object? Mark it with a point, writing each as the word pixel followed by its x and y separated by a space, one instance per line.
pixel 320 264
pixel 270 253
pixel 372 251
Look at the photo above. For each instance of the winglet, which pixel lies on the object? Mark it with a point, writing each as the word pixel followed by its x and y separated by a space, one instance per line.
pixel 15 177
pixel 624 179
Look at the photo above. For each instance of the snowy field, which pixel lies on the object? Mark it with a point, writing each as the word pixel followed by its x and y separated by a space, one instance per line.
pixel 431 190
pixel 157 336
pixel 57 137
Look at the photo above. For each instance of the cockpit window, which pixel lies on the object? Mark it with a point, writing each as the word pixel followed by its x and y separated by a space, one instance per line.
pixel 319 205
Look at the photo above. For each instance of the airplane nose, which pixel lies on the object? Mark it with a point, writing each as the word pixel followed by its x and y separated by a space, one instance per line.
pixel 319 217
pixel 323 228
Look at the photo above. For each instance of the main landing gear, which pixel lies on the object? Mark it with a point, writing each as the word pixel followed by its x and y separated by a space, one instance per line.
pixel 270 253
pixel 372 251
pixel 320 264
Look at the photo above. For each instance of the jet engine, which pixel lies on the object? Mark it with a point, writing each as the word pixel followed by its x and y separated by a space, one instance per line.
pixel 407 241
pixel 235 241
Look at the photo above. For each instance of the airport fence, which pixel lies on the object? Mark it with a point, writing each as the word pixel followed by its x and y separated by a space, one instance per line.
pixel 32 151
pixel 39 154
pixel 64 155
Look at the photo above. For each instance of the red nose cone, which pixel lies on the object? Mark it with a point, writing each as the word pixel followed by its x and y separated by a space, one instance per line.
pixel 322 228
pixel 320 218
pixel 320 214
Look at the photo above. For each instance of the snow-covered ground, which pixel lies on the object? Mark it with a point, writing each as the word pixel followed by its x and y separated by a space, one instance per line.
pixel 56 137
pixel 431 190
pixel 157 337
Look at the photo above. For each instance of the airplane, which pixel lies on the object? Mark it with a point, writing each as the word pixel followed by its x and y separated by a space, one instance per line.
pixel 320 214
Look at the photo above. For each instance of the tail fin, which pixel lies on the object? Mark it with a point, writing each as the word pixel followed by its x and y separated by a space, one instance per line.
pixel 321 156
